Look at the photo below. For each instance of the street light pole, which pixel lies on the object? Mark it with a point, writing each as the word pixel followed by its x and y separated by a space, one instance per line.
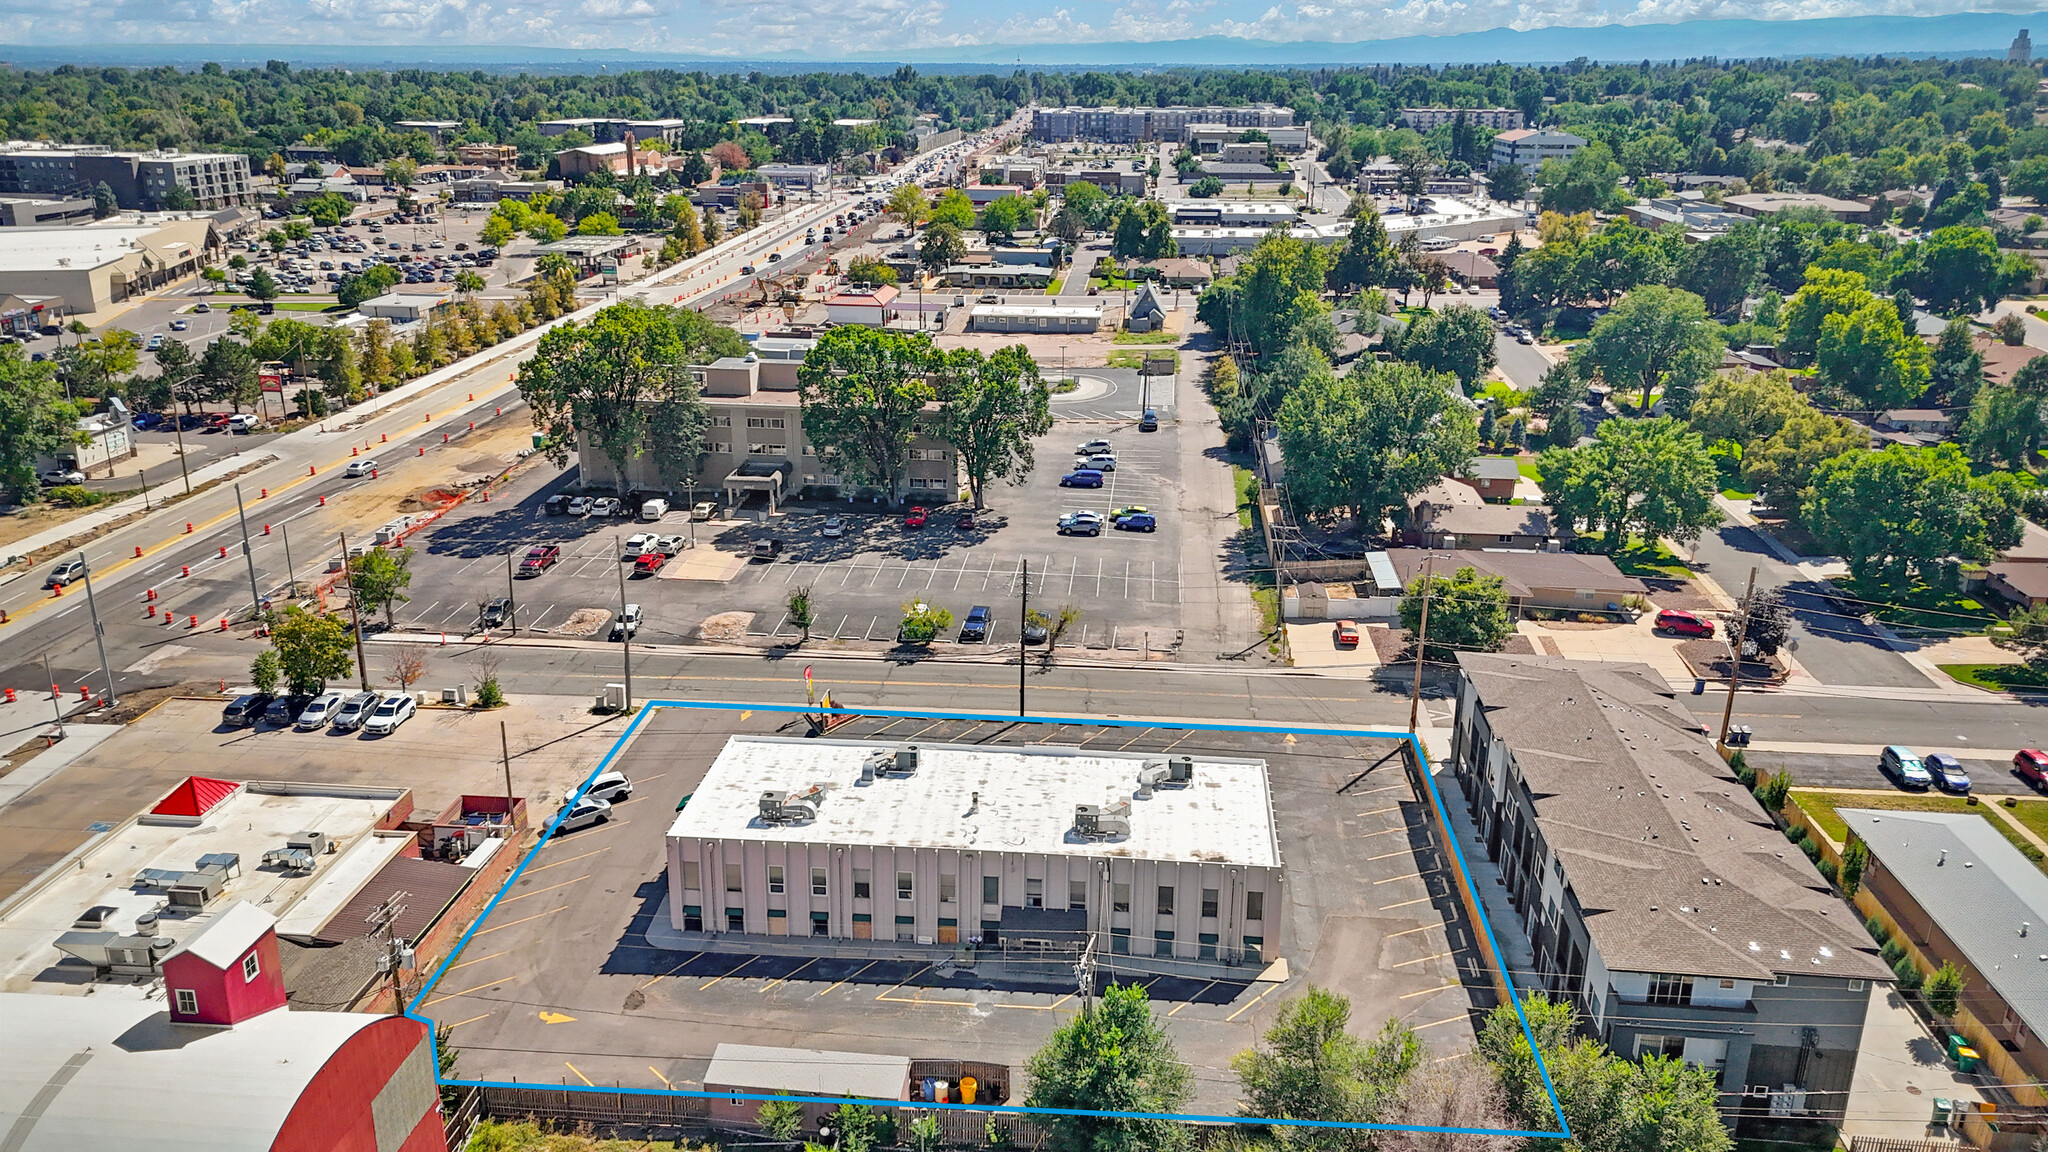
pixel 249 555
pixel 178 426
pixel 511 598
pixel 56 697
pixel 355 618
pixel 1023 622
pixel 1735 660
pixel 1428 587
pixel 291 570
pixel 625 627
pixel 99 630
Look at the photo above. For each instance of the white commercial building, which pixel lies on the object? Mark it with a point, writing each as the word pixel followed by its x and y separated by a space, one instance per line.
pixel 1528 148
pixel 1022 853
pixel 1423 119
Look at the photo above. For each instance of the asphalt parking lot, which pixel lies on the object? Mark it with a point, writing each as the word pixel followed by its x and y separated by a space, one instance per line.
pixel 1125 584
pixel 560 983
pixel 1818 770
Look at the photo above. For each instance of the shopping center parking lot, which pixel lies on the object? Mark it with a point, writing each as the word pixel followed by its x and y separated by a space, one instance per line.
pixel 563 981
pixel 1126 585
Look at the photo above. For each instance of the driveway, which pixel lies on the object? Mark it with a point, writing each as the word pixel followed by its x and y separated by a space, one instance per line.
pixel 1835 648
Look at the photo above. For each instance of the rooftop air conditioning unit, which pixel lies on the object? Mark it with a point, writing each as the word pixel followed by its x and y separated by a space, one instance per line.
pixel 314 842
pixel 1087 819
pixel 904 763
pixel 1180 770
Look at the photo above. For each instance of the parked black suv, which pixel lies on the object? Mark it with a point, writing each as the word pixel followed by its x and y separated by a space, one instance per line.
pixel 246 711
pixel 557 505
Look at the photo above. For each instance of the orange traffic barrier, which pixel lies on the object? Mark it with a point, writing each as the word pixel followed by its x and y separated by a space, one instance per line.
pixel 266 494
pixel 10 695
pixel 312 471
pixel 383 439
pixel 184 570
pixel 352 450
pixel 223 623
pixel 188 527
pixel 223 551
pixel 373 473
pixel 193 622
pixel 84 693
pixel 266 529
pixel 323 501
pixel 57 591
pixel 444 437
pixel 423 450
pixel 151 594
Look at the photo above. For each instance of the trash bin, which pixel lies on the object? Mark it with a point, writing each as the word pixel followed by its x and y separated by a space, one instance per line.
pixel 967 1087
pixel 1967 1059
pixel 1942 1108
pixel 1699 686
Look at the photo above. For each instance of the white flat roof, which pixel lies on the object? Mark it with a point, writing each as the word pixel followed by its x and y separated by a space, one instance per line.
pixel 49 249
pixel 1046 310
pixel 808 1071
pixel 1026 801
pixel 247 824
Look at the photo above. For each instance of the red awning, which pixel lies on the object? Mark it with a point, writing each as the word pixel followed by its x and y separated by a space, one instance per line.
pixel 194 797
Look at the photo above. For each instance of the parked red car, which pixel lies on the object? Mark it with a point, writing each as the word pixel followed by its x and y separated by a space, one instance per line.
pixel 1347 634
pixel 539 559
pixel 2032 765
pixel 1684 623
pixel 916 518
pixel 649 563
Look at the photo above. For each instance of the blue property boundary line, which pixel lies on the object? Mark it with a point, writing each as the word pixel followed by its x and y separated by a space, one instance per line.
pixel 1563 1131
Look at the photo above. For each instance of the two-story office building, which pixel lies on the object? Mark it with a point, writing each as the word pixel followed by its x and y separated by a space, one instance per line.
pixel 1032 852
pixel 1656 894
pixel 755 445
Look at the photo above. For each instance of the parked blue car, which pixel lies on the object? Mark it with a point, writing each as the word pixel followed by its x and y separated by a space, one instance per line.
pixel 1082 478
pixel 1138 522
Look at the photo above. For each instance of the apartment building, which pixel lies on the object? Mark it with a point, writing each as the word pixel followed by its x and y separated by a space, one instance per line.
pixel 1528 148
pixel 755 445
pixel 1026 853
pixel 1137 125
pixel 1423 119
pixel 1654 891
pixel 613 129
pixel 140 180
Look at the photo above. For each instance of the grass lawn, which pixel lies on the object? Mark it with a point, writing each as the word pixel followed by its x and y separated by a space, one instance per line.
pixel 1997 677
pixel 305 306
pixel 1503 395
pixel 1247 484
pixel 1062 387
pixel 1132 358
pixel 1822 807
pixel 1053 289
pixel 1099 282
pixel 1529 471
pixel 1921 606
pixel 1145 338
pixel 1737 494
pixel 1647 558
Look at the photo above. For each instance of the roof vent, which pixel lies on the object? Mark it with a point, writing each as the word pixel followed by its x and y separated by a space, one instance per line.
pixel 145 924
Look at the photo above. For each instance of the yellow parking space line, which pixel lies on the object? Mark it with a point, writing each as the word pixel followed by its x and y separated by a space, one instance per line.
pixel 716 979
pixel 1388 855
pixel 650 779
pixel 549 888
pixel 472 988
pixel 1370 791
pixel 919 999
pixel 478 960
pixel 1381 832
pixel 1395 879
pixel 1411 931
pixel 665 1081
pixel 1430 991
pixel 901 983
pixel 792 972
pixel 535 916
pixel 1405 903
pixel 1190 1000
pixel 570 860
pixel 1445 1020
pixel 579 1074
pixel 1423 960
pixel 672 971
pixel 460 1023
pixel 1253 1003
pixel 1382 811
pixel 855 976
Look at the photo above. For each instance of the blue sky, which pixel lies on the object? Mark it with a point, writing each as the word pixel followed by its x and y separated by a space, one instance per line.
pixel 829 28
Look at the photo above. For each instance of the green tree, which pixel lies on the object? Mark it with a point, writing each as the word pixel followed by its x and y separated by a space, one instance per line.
pixel 952 207
pixel 1371 440
pixel 1588 182
pixel 311 650
pixel 403 171
pixel 498 231
pixel 1308 1066
pixel 1467 613
pixel 1956 367
pixel 1458 340
pixel 2029 178
pixel 1087 201
pixel 863 391
pixel 599 224
pixel 35 419
pixel 368 284
pixel 781 1119
pixel 227 373
pixel 942 247
pixel 1638 479
pixel 1944 990
pixel 1507 182
pixel 1855 859
pixel 1115 1057
pixel 1004 218
pixel 803 611
pixel 1745 408
pixel 96 363
pixel 859 1127
pixel 1958 270
pixel 1127 241
pixel 2003 428
pixel 103 202
pixel 1655 338
pixel 621 381
pixel 1367 258
pixel 1722 269
pixel 1869 355
pixel 922 623
pixel 265 672
pixel 546 227
pixel 1780 468
pixel 1900 513
pixel 1827 292
pixel 991 409
pixel 869 271
pixel 1273 297
pixel 1205 188
pixel 380 577
pixel 262 285
pixel 908 204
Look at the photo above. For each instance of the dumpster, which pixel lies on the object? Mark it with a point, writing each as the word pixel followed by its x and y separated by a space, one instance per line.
pixel 1965 1057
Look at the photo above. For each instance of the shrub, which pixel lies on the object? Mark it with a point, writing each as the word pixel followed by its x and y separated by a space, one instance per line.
pixel 1877 930
pixel 1892 953
pixel 74 496
pixel 1908 974
pixel 1945 989
pixel 1773 792
pixel 1796 833
pixel 489 695
pixel 1812 850
pixel 1827 869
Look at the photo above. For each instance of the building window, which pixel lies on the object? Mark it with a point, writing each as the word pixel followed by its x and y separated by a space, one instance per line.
pixel 818 882
pixel 733 878
pixel 1781 980
pixel 1206 946
pixel 250 967
pixel 762 449
pixel 949 888
pixel 1208 903
pixel 1727 982
pixel 1166 899
pixel 821 923
pixel 1855 985
pixel 1162 944
pixel 1034 893
pixel 693 876
pixel 719 447
pixel 991 890
pixel 775 879
pixel 693 918
pixel 863 884
pixel 1077 895
pixel 1119 897
pixel 735 920
pixel 1670 989
pixel 1255 905
pixel 904 887
pixel 1669 1046
pixel 1120 941
pixel 188 1001
pixel 766 422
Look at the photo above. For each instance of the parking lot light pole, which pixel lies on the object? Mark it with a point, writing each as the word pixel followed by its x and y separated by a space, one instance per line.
pixel 99 630
pixel 1023 622
pixel 511 597
pixel 625 628
pixel 355 618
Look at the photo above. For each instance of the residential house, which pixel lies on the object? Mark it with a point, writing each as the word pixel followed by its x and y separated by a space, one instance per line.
pixel 1493 477
pixel 1653 890
pixel 1179 272
pixel 2001 360
pixel 1555 581
pixel 1471 268
pixel 1148 310
pixel 1436 522
pixel 1914 427
pixel 2021 581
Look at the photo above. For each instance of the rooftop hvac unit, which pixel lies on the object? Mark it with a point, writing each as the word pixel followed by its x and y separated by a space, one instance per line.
pixel 1180 770
pixel 775 809
pixel 904 763
pixel 315 842
pixel 294 860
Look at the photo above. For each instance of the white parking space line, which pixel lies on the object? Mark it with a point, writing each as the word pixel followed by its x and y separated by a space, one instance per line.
pixel 536 622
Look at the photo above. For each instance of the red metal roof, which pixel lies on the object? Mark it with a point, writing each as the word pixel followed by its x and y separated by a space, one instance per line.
pixel 194 797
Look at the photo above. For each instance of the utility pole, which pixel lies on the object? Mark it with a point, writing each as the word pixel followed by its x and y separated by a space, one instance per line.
pixel 56 697
pixel 178 426
pixel 512 610
pixel 355 618
pixel 384 916
pixel 1023 622
pixel 142 474
pixel 248 555
pixel 291 571
pixel 1428 588
pixel 1735 661
pixel 99 630
pixel 625 626
pixel 505 751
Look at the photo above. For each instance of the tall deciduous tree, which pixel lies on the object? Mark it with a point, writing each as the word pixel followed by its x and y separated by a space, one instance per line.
pixel 1827 292
pixel 1115 1057
pixel 1745 407
pixel 1274 294
pixel 1899 514
pixel 1638 479
pixel 1367 257
pixel 1458 340
pixel 991 409
pixel 379 578
pixel 1468 612
pixel 1655 338
pixel 1870 356
pixel 1722 269
pixel 952 207
pixel 863 394
pixel 941 247
pixel 621 381
pixel 311 650
pixel 1780 467
pixel 1588 182
pixel 1371 440
pixel 35 419
pixel 1308 1066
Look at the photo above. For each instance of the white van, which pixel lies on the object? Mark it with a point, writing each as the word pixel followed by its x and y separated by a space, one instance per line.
pixel 653 510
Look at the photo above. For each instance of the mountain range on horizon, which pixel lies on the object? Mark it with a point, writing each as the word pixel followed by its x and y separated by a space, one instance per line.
pixel 1953 35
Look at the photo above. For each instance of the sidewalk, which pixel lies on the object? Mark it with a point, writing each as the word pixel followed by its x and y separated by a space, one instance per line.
pixel 1509 930
pixel 101 517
